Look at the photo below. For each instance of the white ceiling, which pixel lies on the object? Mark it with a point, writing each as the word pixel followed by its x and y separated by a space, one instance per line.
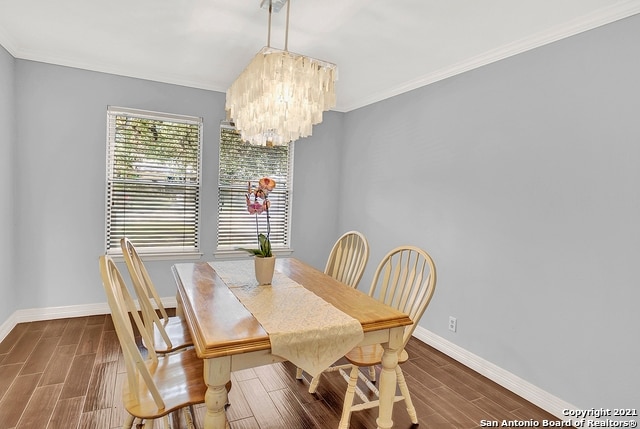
pixel 382 47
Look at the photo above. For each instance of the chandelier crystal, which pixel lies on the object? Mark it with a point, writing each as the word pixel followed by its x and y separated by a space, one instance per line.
pixel 280 96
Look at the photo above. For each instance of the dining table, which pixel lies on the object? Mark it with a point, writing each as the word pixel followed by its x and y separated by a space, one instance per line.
pixel 227 317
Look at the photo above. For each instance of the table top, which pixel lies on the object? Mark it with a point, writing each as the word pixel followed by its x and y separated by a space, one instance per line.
pixel 221 326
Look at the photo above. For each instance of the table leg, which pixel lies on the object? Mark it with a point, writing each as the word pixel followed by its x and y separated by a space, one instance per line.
pixel 388 378
pixel 179 308
pixel 217 373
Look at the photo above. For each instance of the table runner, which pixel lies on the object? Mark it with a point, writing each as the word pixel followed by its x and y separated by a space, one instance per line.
pixel 303 328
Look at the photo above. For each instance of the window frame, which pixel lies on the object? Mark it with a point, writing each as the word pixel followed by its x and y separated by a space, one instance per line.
pixel 232 251
pixel 149 253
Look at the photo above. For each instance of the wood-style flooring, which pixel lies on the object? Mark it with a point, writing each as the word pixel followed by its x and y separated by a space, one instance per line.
pixel 68 373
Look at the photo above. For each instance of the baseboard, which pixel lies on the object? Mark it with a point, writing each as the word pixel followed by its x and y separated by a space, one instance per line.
pixel 512 382
pixel 49 313
pixel 7 326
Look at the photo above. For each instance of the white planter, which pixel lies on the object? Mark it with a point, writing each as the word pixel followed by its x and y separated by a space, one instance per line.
pixel 264 267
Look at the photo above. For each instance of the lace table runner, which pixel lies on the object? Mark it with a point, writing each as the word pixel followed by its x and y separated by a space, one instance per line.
pixel 303 328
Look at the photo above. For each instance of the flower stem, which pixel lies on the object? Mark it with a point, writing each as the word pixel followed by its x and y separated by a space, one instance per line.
pixel 257 230
pixel 268 224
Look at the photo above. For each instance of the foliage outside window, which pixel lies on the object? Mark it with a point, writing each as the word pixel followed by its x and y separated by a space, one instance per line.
pixel 153 181
pixel 241 163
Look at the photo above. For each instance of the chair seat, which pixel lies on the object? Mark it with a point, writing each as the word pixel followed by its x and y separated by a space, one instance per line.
pixel 371 355
pixel 180 382
pixel 178 332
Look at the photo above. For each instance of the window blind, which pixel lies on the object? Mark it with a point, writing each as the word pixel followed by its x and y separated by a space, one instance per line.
pixel 241 163
pixel 153 181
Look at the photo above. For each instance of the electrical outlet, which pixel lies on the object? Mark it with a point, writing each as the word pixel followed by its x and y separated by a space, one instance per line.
pixel 453 324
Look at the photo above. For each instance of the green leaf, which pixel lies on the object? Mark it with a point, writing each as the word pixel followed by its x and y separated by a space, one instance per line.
pixel 256 252
pixel 264 250
pixel 265 245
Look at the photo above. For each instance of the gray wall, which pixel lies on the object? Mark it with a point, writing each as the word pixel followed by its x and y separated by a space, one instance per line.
pixel 317 185
pixel 61 115
pixel 7 174
pixel 522 180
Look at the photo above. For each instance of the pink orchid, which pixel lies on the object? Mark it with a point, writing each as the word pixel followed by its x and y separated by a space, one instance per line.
pixel 257 203
pixel 255 208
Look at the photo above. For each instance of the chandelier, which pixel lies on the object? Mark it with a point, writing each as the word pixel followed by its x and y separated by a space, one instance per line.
pixel 280 95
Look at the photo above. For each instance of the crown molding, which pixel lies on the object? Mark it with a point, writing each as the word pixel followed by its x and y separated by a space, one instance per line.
pixel 8 43
pixel 588 22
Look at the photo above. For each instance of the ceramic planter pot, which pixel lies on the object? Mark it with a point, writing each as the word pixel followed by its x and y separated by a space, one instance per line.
pixel 264 267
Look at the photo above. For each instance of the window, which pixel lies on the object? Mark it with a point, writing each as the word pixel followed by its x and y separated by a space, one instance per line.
pixel 240 163
pixel 153 181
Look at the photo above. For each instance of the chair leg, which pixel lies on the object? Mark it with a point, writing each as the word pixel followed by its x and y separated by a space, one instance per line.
pixel 128 422
pixel 404 390
pixel 348 398
pixel 299 373
pixel 168 420
pixel 372 373
pixel 190 417
pixel 313 386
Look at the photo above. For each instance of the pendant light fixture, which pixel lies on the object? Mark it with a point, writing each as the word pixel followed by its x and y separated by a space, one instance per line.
pixel 280 95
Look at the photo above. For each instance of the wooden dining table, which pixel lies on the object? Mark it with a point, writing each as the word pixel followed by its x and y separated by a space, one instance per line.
pixel 229 338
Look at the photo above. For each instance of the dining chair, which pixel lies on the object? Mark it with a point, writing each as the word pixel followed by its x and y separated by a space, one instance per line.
pixel 167 333
pixel 405 279
pixel 348 258
pixel 156 385
pixel 346 263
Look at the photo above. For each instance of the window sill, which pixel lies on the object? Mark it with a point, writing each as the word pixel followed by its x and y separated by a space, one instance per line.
pixel 160 256
pixel 238 254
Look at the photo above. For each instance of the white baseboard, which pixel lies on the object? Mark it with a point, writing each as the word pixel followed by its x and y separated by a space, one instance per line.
pixel 515 384
pixel 49 313
pixel 504 378
pixel 7 326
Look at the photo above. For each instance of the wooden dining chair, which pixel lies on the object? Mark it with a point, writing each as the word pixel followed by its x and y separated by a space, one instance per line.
pixel 405 279
pixel 156 385
pixel 168 333
pixel 348 258
pixel 346 263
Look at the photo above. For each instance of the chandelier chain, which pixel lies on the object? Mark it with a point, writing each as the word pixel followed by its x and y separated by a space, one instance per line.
pixel 269 30
pixel 286 31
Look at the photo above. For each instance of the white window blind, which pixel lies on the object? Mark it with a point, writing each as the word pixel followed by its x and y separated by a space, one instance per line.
pixel 240 163
pixel 153 181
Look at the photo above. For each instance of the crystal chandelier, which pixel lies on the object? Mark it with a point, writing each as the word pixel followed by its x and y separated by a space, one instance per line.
pixel 280 95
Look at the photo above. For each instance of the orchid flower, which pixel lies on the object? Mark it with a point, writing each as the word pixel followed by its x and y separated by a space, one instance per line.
pixel 267 184
pixel 257 203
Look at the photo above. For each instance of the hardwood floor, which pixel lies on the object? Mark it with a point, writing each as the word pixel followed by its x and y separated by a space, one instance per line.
pixel 68 373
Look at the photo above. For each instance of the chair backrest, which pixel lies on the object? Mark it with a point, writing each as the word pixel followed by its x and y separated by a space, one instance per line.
pixel 348 258
pixel 122 307
pixel 145 291
pixel 405 280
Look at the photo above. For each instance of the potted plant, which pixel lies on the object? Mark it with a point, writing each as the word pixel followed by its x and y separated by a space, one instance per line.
pixel 258 203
